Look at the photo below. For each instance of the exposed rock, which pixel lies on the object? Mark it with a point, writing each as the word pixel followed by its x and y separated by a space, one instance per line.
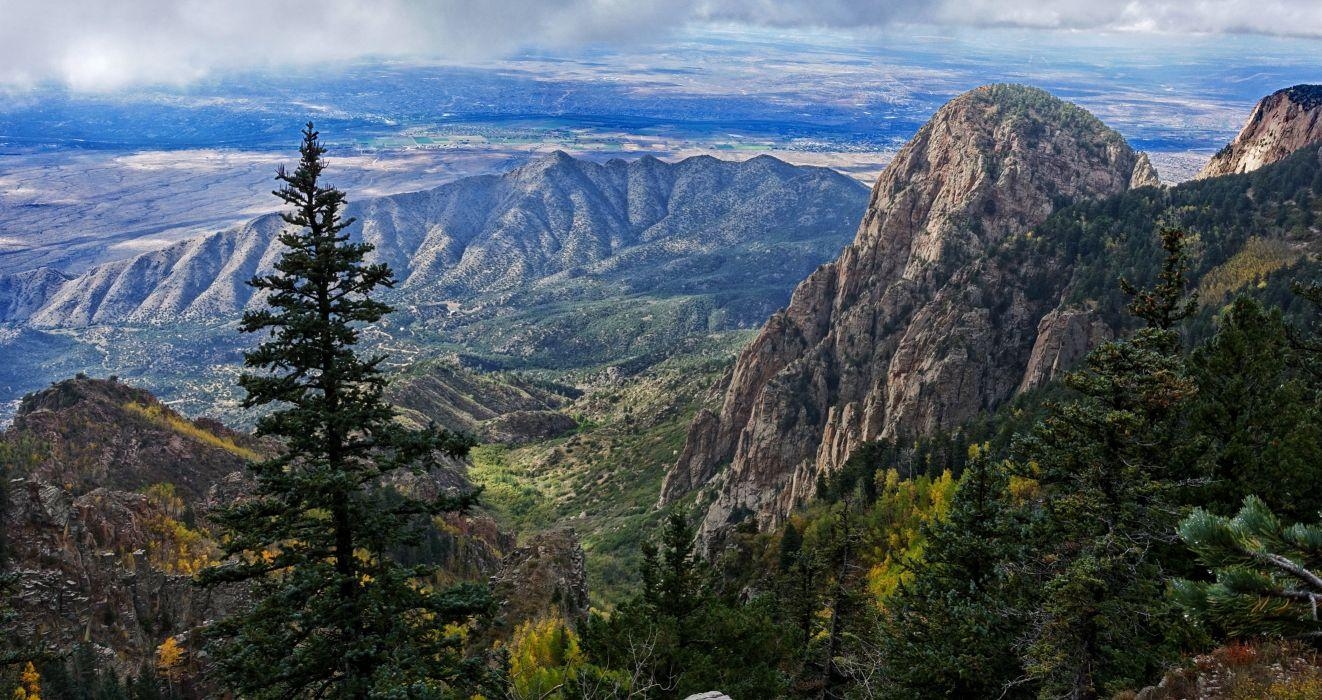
pixel 522 427
pixel 1064 336
pixel 1144 174
pixel 97 433
pixel 103 567
pixel 711 695
pixel 547 576
pixel 100 557
pixel 913 328
pixel 1281 123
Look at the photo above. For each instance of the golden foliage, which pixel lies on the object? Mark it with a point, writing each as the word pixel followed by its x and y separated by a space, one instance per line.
pixel 174 547
pixel 903 507
pixel 1251 265
pixel 543 655
pixel 169 419
pixel 170 659
pixel 29 684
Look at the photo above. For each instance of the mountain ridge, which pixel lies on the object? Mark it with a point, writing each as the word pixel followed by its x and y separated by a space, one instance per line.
pixel 481 235
pixel 882 341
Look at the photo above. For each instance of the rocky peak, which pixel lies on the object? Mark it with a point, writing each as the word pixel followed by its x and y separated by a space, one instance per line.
pixel 104 433
pixel 912 328
pixel 1282 123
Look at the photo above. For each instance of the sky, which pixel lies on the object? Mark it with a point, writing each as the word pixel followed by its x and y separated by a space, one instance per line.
pixel 101 46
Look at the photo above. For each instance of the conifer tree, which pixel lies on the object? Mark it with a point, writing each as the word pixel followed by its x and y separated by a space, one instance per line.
pixel 1268 576
pixel 1256 414
pixel 1109 509
pixel 334 615
pixel 951 631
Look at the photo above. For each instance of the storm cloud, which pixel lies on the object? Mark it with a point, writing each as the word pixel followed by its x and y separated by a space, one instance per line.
pixel 95 45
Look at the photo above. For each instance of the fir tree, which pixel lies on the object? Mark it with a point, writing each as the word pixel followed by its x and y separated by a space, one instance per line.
pixel 951 631
pixel 1268 576
pixel 1255 414
pixel 1109 508
pixel 334 615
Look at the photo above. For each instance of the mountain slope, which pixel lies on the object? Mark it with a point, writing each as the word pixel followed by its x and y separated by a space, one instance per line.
pixel 539 227
pixel 910 330
pixel 1281 123
pixel 561 264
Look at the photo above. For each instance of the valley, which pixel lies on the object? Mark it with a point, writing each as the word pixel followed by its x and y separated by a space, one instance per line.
pixel 884 375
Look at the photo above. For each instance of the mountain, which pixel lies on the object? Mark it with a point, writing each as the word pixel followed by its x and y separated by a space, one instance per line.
pixel 1282 123
pixel 558 264
pixel 104 509
pixel 105 490
pixel 915 327
pixel 554 228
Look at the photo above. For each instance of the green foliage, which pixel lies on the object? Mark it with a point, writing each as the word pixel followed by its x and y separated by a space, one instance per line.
pixel 951 631
pixel 547 663
pixel 333 612
pixel 1107 504
pixel 681 635
pixel 1268 576
pixel 1255 416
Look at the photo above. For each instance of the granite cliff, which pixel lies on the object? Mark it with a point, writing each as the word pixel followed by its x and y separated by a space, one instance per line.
pixel 914 328
pixel 1282 123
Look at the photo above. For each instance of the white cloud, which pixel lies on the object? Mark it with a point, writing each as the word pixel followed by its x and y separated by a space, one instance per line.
pixel 104 45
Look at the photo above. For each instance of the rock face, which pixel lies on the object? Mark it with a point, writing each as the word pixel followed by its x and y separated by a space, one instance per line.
pixel 99 560
pixel 914 328
pixel 103 568
pixel 547 576
pixel 1064 336
pixel 1281 123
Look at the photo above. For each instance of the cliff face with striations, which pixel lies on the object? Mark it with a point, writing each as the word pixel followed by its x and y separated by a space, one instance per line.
pixel 914 328
pixel 1282 123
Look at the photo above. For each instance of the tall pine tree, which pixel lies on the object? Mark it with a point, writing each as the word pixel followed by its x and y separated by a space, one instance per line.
pixel 334 615
pixel 1109 510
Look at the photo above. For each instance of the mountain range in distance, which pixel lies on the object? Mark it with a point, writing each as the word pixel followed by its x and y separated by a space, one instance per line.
pixel 560 263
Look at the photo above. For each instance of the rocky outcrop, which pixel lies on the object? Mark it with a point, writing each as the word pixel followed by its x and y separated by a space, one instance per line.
pixel 104 433
pixel 1281 123
pixel 1064 336
pixel 1144 174
pixel 914 327
pixel 545 577
pixel 106 568
pixel 523 427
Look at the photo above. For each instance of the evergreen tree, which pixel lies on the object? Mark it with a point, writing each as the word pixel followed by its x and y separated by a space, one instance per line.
pixel 334 615
pixel 951 631
pixel 1268 576
pixel 679 636
pixel 1255 413
pixel 1108 512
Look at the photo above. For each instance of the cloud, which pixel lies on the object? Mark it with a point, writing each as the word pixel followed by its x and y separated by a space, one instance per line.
pixel 92 45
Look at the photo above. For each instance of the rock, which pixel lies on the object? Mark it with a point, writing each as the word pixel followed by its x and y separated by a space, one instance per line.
pixel 912 328
pixel 523 427
pixel 546 576
pixel 1144 174
pixel 1281 123
pixel 712 695
pixel 1064 336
